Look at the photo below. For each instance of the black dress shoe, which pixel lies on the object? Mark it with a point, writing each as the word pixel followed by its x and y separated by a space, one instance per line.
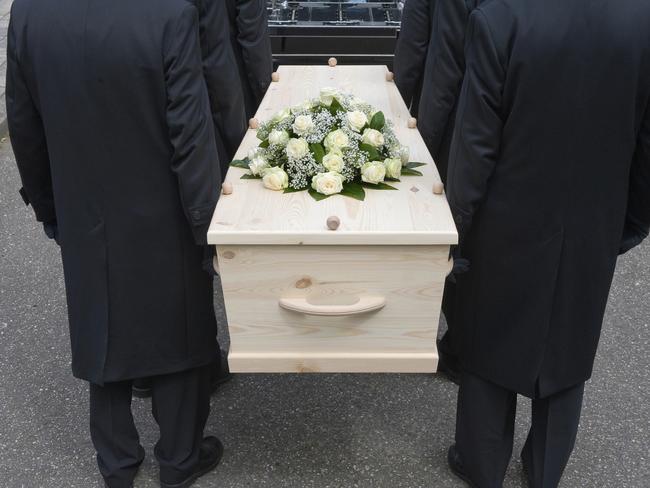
pixel 456 466
pixel 209 458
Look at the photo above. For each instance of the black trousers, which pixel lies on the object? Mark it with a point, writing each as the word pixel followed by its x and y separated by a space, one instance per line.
pixel 485 430
pixel 180 404
pixel 448 345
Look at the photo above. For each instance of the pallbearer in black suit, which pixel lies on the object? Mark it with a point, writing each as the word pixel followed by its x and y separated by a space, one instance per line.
pixel 429 69
pixel 249 35
pixel 229 120
pixel 443 77
pixel 225 89
pixel 411 50
pixel 110 124
pixel 549 181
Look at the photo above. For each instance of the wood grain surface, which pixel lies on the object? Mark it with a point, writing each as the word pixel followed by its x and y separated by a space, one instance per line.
pixel 414 215
pixel 400 337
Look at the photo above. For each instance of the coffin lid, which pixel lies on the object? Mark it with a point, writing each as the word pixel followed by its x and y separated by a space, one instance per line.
pixel 413 215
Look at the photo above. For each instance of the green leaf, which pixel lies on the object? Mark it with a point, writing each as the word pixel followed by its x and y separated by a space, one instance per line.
pixel 393 179
pixel 378 121
pixel 336 107
pixel 378 186
pixel 249 176
pixel 264 143
pixel 354 190
pixel 318 152
pixel 294 190
pixel 317 196
pixel 410 172
pixel 373 154
pixel 239 163
pixel 414 165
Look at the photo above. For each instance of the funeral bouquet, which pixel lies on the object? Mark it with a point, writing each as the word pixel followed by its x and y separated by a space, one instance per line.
pixel 334 144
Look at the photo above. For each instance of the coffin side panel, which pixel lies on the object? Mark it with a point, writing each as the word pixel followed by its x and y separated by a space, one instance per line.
pixel 398 337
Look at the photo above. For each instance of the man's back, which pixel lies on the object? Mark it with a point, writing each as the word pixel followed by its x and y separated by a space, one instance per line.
pixel 252 46
pixel 94 70
pixel 411 50
pixel 550 155
pixel 576 89
pixel 110 124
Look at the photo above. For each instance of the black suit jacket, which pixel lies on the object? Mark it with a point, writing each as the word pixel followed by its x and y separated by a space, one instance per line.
pixel 443 77
pixel 222 78
pixel 411 50
pixel 110 124
pixel 550 159
pixel 250 40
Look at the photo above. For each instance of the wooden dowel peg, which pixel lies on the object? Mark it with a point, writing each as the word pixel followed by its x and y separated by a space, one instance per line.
pixel 332 62
pixel 438 188
pixel 390 76
pixel 275 76
pixel 226 188
pixel 333 222
pixel 412 123
pixel 253 123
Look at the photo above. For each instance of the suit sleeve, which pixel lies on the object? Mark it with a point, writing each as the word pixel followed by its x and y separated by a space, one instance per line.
pixel 28 140
pixel 637 222
pixel 445 66
pixel 253 38
pixel 477 136
pixel 411 48
pixel 194 159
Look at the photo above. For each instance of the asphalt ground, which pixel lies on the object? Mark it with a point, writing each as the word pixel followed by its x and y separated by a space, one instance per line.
pixel 293 431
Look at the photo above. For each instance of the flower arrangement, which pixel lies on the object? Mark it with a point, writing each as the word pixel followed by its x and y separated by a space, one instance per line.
pixel 335 144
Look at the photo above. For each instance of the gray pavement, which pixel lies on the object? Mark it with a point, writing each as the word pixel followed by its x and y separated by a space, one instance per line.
pixel 293 431
pixel 5 7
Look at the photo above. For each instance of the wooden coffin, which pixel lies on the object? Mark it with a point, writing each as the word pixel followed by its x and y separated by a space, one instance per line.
pixel 363 298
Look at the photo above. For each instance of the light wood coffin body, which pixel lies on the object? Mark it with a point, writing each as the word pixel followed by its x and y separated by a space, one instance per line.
pixel 363 298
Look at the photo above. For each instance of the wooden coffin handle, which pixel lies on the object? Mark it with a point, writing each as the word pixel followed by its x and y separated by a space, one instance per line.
pixel 363 305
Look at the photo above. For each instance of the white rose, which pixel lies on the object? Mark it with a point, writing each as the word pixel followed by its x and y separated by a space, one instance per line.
pixel 373 138
pixel 357 120
pixel 281 115
pixel 258 164
pixel 336 140
pixel 327 183
pixel 303 125
pixel 278 138
pixel 333 161
pixel 297 148
pixel 373 172
pixel 393 167
pixel 275 179
pixel 327 95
